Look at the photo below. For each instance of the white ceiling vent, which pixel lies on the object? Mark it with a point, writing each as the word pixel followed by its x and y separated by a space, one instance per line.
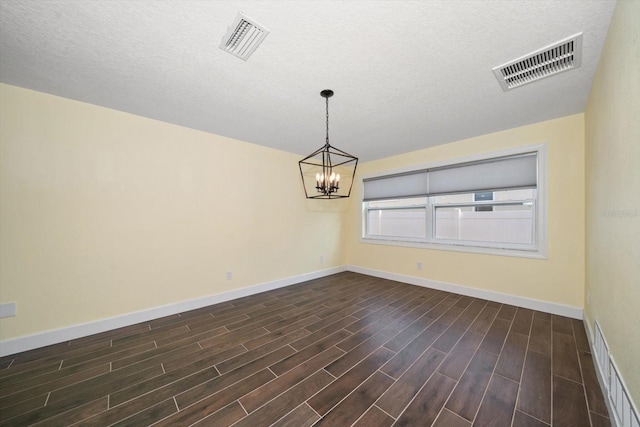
pixel 562 56
pixel 243 37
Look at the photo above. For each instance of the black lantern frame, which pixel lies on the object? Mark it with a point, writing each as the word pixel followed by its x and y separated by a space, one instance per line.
pixel 320 170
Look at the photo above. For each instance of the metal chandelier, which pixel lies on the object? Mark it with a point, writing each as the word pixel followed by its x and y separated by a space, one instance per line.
pixel 328 173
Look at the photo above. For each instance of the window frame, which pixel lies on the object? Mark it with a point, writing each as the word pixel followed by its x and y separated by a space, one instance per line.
pixel 537 250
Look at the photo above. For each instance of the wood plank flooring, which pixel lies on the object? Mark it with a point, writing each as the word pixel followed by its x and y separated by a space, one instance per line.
pixel 344 350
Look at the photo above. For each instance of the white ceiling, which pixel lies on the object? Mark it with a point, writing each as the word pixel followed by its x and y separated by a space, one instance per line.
pixel 407 74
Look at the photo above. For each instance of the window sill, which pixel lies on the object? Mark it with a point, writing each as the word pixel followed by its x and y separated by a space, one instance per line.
pixel 534 254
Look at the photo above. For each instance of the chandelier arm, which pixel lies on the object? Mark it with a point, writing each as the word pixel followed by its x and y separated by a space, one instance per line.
pixel 315 153
pixel 342 153
pixel 345 162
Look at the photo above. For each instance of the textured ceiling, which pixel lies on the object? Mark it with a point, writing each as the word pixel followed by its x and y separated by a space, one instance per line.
pixel 407 74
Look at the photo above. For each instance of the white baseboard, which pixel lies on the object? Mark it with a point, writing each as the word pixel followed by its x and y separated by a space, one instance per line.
pixel 533 304
pixel 54 336
pixel 41 339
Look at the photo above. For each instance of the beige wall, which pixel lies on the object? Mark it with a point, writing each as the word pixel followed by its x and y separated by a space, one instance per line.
pixel 105 213
pixel 612 130
pixel 558 279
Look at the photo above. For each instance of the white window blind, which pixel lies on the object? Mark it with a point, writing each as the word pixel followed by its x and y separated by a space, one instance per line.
pixel 520 171
pixel 396 186
pixel 495 174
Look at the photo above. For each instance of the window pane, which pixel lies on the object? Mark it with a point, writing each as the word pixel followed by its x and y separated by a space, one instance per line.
pixel 512 223
pixel 408 222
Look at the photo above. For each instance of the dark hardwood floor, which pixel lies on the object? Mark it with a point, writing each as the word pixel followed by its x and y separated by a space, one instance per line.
pixel 344 350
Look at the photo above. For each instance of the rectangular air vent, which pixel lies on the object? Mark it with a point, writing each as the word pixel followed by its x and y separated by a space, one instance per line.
pixel 620 405
pixel 243 37
pixel 562 56
pixel 601 352
pixel 626 415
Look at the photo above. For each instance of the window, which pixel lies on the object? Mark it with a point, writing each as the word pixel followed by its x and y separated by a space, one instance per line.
pixel 489 205
pixel 507 221
pixel 404 218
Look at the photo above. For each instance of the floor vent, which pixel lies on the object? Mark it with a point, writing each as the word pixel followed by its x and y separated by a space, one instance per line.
pixel 243 37
pixel 559 57
pixel 621 405
pixel 601 352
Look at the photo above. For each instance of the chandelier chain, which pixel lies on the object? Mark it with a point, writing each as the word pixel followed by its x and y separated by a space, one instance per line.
pixel 327 99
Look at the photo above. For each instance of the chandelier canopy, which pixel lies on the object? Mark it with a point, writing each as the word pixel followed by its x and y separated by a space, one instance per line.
pixel 328 173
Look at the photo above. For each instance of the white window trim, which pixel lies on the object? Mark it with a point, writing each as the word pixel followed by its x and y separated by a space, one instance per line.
pixel 540 207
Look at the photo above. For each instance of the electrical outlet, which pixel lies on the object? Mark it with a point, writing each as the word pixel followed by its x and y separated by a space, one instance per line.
pixel 7 310
pixel 419 265
pixel 229 275
pixel 321 259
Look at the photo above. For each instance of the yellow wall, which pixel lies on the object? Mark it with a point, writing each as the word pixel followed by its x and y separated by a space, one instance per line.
pixel 104 213
pixel 612 131
pixel 558 279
